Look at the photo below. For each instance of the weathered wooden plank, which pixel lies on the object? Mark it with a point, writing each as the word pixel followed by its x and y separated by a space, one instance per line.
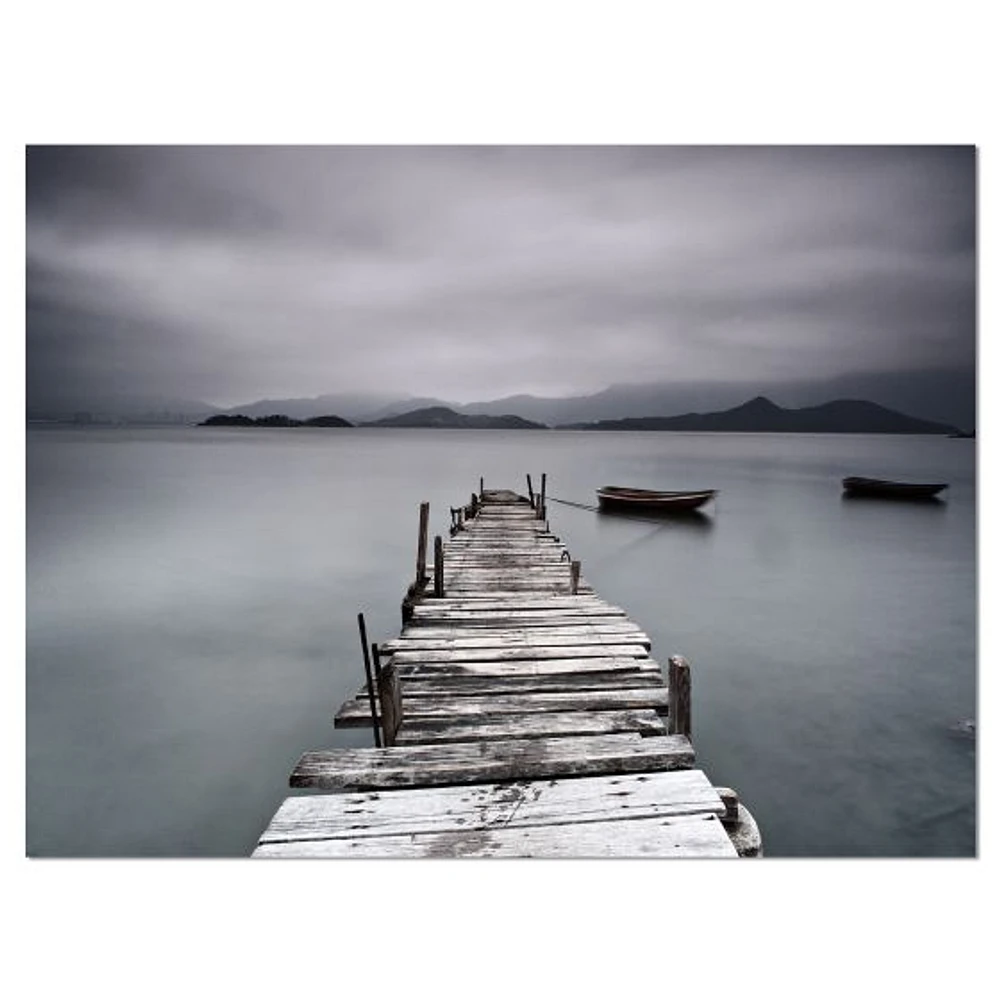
pixel 450 685
pixel 508 578
pixel 520 652
pixel 355 713
pixel 501 760
pixel 484 593
pixel 523 668
pixel 514 602
pixel 511 727
pixel 458 630
pixel 533 568
pixel 524 562
pixel 505 639
pixel 503 545
pixel 435 687
pixel 688 837
pixel 510 583
pixel 527 578
pixel 348 815
pixel 533 565
pixel 427 614
pixel 499 619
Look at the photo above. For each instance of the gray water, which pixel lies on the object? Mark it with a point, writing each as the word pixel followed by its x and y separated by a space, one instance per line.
pixel 192 596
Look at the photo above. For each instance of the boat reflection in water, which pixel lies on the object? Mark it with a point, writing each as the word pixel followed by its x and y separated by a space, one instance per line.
pixel 884 489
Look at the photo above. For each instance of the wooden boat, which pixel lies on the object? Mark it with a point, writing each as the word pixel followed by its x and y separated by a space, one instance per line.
pixel 859 486
pixel 625 499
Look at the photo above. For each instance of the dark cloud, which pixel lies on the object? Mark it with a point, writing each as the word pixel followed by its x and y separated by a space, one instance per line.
pixel 230 273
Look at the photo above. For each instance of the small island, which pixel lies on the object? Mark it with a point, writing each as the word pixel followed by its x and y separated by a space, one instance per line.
pixel 443 416
pixel 274 420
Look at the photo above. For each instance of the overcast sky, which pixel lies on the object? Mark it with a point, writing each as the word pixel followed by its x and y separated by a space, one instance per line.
pixel 227 274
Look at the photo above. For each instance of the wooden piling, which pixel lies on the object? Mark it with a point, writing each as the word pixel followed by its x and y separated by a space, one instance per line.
pixel 421 579
pixel 481 488
pixel 531 492
pixel 390 699
pixel 574 576
pixel 438 567
pixel 679 696
pixel 540 507
pixel 732 803
pixel 368 677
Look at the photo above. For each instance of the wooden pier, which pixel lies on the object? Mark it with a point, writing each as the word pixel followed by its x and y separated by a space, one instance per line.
pixel 517 714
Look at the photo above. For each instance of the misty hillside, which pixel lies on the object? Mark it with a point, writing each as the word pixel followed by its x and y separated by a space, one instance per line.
pixel 761 415
pixel 943 396
pixel 442 416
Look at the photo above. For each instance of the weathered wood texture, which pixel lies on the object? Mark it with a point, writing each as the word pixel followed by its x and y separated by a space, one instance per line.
pixel 356 713
pixel 511 670
pixel 421 577
pixel 642 815
pixel 518 727
pixel 684 837
pixel 438 567
pixel 679 681
pixel 390 697
pixel 498 760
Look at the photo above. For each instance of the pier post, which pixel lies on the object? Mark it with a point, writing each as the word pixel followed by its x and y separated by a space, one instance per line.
pixel 438 567
pixel 421 579
pixel 531 492
pixel 368 677
pixel 574 576
pixel 390 699
pixel 540 508
pixel 480 487
pixel 679 696
pixel 732 803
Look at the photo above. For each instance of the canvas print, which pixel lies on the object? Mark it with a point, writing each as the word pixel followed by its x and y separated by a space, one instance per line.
pixel 501 502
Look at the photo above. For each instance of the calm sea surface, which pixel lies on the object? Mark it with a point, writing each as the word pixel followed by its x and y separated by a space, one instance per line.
pixel 192 596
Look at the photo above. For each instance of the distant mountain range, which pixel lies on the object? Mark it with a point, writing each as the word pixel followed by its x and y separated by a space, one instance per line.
pixel 938 396
pixel 760 415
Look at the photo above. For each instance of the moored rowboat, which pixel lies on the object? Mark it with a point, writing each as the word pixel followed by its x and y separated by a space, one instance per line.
pixel 861 487
pixel 622 498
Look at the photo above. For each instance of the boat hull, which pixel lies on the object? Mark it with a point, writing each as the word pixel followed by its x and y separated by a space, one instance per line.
pixel 858 486
pixel 620 499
